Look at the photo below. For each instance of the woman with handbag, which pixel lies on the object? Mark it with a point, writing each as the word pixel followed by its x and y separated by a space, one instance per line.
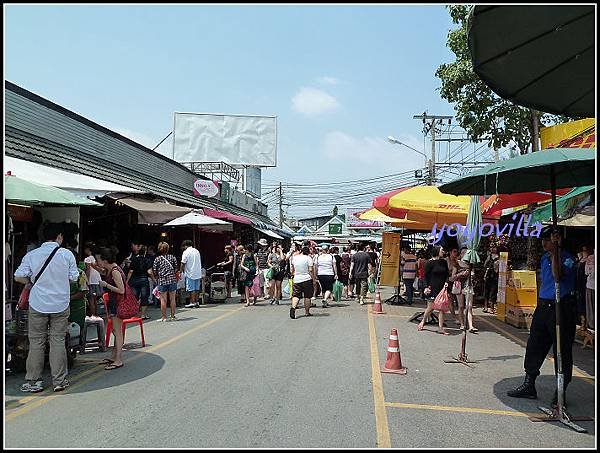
pixel 248 272
pixel 165 269
pixel 326 273
pixel 436 284
pixel 116 286
pixel 276 262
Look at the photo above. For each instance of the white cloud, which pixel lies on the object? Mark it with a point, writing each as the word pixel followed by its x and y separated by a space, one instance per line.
pixel 311 101
pixel 327 80
pixel 372 153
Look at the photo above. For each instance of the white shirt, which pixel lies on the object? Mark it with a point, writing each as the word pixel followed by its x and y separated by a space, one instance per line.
pixel 302 265
pixel 94 278
pixel 193 263
pixel 51 294
pixel 325 263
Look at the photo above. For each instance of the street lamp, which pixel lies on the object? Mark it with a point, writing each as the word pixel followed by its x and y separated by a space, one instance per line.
pixel 429 165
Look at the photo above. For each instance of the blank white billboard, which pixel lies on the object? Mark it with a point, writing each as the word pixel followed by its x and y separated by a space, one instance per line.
pixel 233 139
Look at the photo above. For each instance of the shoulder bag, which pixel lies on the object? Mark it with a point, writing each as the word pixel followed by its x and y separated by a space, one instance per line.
pixel 23 303
pixel 128 305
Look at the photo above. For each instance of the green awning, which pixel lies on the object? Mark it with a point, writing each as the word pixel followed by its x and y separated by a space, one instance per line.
pixel 21 191
pixel 563 204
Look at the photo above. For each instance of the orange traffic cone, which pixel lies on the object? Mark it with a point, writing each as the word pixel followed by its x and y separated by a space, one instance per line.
pixel 393 363
pixel 377 308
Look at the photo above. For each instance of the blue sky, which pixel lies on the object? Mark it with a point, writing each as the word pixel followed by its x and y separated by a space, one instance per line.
pixel 340 79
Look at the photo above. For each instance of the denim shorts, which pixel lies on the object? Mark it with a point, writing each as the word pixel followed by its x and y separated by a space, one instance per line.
pixel 167 288
pixel 192 284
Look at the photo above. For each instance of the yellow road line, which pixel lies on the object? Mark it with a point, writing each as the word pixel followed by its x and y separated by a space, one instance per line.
pixel 468 410
pixel 381 421
pixel 94 373
pixel 576 371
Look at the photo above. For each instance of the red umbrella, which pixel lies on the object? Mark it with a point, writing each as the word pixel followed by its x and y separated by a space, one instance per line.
pixel 494 205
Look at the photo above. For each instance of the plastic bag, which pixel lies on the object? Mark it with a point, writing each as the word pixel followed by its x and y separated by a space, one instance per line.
pixel 256 289
pixel 371 286
pixel 337 290
pixel 270 273
pixel 456 287
pixel 442 301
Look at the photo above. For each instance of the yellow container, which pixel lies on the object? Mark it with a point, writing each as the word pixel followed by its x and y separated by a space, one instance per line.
pixel 523 297
pixel 519 317
pixel 501 312
pixel 523 279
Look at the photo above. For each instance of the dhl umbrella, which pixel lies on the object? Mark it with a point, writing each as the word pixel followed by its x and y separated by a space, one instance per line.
pixel 378 216
pixel 424 204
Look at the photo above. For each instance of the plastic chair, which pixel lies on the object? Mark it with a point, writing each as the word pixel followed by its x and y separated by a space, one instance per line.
pixel 133 320
pixel 99 341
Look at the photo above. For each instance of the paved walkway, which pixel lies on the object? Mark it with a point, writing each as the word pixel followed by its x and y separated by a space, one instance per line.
pixel 229 376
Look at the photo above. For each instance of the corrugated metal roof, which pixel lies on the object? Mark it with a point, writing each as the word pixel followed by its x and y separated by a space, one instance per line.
pixel 40 131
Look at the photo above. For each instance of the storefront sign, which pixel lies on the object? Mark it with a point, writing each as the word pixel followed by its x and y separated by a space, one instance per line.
pixel 335 228
pixel 206 188
pixel 574 134
pixel 390 259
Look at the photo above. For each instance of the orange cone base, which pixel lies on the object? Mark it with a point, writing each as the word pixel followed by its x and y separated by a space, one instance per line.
pixel 379 312
pixel 400 371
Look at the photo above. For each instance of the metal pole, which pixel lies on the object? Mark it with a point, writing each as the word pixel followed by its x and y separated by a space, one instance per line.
pixel 559 374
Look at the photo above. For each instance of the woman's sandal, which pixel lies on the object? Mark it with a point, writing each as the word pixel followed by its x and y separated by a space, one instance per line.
pixel 473 330
pixel 112 366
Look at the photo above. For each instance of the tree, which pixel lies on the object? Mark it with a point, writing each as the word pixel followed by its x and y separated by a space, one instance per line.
pixel 481 112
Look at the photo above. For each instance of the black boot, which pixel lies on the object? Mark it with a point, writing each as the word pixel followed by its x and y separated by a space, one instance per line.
pixel 526 389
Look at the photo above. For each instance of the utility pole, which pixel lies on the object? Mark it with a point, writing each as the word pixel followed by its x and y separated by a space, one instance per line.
pixel 429 124
pixel 280 206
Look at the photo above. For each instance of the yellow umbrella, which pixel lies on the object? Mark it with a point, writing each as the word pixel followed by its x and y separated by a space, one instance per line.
pixel 425 204
pixel 378 216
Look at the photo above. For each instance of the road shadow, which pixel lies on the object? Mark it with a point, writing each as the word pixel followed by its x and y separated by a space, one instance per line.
pixel 502 358
pixel 578 405
pixel 137 365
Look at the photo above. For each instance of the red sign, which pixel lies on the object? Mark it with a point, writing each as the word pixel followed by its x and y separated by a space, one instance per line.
pixel 206 188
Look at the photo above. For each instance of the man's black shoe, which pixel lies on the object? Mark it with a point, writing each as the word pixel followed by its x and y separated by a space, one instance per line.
pixel 525 390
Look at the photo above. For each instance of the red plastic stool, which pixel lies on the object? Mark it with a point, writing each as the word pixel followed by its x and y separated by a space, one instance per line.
pixel 125 322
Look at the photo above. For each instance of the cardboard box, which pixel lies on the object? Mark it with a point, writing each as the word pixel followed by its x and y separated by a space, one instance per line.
pixel 523 279
pixel 519 317
pixel 501 312
pixel 523 297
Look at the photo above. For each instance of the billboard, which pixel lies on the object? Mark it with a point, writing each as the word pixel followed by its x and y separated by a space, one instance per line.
pixel 352 220
pixel 233 139
pixel 574 134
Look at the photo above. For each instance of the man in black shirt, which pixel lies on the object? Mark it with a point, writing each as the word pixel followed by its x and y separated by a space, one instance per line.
pixel 361 266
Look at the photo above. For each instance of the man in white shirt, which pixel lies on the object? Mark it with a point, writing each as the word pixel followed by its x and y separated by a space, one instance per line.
pixel 191 265
pixel 48 308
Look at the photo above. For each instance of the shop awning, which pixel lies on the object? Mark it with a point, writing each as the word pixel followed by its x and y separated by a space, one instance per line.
pixel 270 233
pixel 151 212
pixel 563 204
pixel 224 215
pixel 20 191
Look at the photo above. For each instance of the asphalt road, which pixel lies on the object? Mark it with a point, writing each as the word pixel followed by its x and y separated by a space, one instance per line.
pixel 229 376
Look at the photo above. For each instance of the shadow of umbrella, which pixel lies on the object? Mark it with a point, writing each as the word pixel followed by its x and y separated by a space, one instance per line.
pixel 137 366
pixel 545 386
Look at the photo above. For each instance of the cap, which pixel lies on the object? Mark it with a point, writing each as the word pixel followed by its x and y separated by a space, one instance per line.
pixel 263 242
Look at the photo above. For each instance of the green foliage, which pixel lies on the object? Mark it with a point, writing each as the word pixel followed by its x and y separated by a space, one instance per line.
pixel 483 114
